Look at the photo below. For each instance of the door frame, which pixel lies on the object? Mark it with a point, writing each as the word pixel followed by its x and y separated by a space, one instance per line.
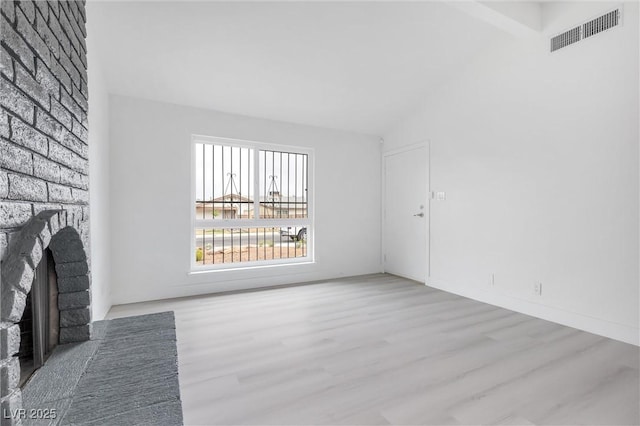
pixel 427 211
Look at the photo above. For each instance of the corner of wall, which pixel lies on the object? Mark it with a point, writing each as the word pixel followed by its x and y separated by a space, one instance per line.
pixel 99 176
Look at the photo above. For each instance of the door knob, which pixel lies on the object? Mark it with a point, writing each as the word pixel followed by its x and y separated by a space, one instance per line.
pixel 419 214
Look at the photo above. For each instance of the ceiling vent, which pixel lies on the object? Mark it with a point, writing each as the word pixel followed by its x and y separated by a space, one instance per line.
pixel 588 29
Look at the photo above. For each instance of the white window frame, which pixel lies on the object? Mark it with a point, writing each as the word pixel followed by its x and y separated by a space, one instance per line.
pixel 256 222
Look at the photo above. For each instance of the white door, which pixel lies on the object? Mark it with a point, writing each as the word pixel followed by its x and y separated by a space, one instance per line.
pixel 406 213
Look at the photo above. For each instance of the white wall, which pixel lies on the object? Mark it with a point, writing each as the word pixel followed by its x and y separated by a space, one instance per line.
pixel 538 155
pixel 98 183
pixel 150 200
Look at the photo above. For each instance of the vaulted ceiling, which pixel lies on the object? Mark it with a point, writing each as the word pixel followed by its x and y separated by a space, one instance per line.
pixel 357 66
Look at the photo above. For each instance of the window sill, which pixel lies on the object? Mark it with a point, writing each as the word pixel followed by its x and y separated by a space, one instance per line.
pixel 218 269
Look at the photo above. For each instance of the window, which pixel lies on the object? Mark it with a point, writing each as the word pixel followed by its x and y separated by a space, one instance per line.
pixel 251 204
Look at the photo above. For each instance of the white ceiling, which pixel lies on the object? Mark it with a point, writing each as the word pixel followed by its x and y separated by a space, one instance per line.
pixel 353 66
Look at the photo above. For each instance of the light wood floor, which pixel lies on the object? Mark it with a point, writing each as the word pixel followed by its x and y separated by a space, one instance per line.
pixel 384 350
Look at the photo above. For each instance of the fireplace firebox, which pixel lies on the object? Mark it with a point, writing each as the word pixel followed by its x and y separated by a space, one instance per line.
pixel 40 324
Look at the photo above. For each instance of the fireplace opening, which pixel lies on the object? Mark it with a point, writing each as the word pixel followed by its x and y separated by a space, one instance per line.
pixel 40 324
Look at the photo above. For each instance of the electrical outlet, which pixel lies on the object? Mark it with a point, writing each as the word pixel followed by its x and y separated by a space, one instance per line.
pixel 537 289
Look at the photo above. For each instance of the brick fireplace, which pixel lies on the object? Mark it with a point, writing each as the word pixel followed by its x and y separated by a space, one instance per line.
pixel 43 174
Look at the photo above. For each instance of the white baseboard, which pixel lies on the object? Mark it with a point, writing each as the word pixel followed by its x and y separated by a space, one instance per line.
pixel 616 331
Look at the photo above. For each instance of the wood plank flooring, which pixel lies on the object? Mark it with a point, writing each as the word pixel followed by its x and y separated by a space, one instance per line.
pixel 381 350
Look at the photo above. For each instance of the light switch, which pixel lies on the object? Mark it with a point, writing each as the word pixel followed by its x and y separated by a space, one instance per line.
pixel 441 195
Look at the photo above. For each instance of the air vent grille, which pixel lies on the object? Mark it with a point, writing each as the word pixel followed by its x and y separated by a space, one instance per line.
pixel 600 24
pixel 565 39
pixel 586 30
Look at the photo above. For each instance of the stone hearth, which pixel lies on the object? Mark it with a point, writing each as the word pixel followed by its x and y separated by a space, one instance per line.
pixel 127 374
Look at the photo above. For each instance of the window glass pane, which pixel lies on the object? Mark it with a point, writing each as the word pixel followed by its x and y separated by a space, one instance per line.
pixel 284 178
pixel 221 246
pixel 224 178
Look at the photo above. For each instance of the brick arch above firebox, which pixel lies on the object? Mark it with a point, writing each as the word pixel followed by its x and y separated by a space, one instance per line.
pixel 48 230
